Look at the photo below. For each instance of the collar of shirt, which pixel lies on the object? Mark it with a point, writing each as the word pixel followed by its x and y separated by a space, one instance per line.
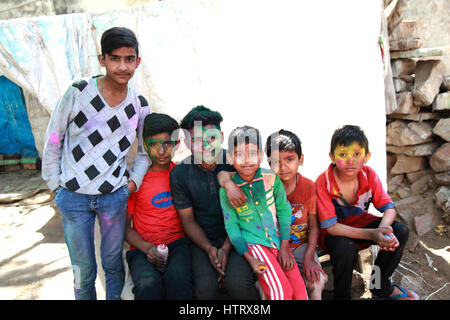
pixel 333 188
pixel 241 182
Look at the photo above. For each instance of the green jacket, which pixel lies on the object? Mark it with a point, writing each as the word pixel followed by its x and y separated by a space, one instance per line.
pixel 265 219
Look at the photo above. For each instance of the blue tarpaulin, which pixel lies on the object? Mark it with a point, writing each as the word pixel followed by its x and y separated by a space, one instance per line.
pixel 15 130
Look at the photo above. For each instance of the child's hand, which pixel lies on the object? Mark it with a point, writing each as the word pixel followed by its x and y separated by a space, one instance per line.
pixel 386 239
pixel 257 266
pixel 235 195
pixel 216 260
pixel 154 257
pixel 312 270
pixel 285 259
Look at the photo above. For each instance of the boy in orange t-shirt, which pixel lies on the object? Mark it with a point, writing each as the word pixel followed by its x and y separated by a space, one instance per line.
pixel 284 153
pixel 153 220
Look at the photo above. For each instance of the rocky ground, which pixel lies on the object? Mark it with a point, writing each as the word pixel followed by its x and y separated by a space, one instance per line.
pixel 34 262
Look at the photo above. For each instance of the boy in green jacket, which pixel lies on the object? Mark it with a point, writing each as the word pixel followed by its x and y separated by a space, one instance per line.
pixel 260 229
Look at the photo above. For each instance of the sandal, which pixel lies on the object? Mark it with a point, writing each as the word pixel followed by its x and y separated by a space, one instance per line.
pixel 404 294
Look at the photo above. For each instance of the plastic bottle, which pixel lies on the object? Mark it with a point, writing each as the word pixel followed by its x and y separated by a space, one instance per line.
pixel 163 250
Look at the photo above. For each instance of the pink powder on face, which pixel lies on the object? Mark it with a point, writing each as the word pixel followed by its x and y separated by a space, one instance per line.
pixel 54 138
pixel 340 163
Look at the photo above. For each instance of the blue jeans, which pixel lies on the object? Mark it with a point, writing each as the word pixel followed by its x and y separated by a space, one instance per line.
pixel 173 283
pixel 78 213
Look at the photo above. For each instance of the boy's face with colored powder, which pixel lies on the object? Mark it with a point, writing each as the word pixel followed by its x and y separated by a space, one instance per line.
pixel 246 159
pixel 285 164
pixel 350 159
pixel 159 148
pixel 206 143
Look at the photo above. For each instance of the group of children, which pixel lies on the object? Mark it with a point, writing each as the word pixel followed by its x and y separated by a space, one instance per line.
pixel 227 222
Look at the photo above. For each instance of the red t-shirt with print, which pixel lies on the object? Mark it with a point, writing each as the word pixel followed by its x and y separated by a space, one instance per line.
pixel 154 216
pixel 303 203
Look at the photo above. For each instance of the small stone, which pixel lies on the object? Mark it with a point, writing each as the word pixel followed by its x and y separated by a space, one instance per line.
pixel 406 164
pixel 442 179
pixel 401 67
pixel 425 149
pixel 440 160
pixel 404 45
pixel 429 76
pixel 426 222
pixel 442 129
pixel 423 184
pixel 442 102
pixel 405 104
pixel 400 133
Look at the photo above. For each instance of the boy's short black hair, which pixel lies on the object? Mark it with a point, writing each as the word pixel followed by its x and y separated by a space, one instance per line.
pixel 156 123
pixel 245 134
pixel 283 140
pixel 347 135
pixel 203 114
pixel 118 37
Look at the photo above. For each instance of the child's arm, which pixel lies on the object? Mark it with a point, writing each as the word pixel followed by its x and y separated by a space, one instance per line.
pixel 258 267
pixel 285 258
pixel 232 224
pixel 235 195
pixel 284 213
pixel 54 139
pixel 311 269
pixel 134 239
pixel 376 235
pixel 142 160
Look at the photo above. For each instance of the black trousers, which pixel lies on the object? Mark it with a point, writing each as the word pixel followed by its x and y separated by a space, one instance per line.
pixel 344 254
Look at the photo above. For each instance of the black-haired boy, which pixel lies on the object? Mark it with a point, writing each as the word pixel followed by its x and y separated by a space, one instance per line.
pixel 90 132
pixel 284 153
pixel 152 220
pixel 344 192
pixel 195 192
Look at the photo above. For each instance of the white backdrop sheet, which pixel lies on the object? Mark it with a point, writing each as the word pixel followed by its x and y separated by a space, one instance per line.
pixel 305 66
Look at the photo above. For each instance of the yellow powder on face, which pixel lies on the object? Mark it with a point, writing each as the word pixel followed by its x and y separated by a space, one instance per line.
pixel 353 151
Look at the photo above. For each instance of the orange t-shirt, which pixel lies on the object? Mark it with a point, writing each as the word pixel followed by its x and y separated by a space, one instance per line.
pixel 154 216
pixel 303 202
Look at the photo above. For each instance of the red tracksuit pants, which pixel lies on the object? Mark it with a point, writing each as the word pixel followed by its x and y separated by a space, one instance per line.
pixel 276 283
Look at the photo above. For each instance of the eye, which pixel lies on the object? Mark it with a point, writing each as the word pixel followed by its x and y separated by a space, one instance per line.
pixel 168 144
pixel 342 155
pixel 357 154
pixel 152 144
pixel 131 59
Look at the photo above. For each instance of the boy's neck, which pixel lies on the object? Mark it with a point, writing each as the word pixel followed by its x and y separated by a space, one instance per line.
pixel 290 185
pixel 248 178
pixel 344 179
pixel 159 168
pixel 105 83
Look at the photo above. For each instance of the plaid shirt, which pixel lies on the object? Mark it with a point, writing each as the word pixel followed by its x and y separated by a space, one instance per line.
pixel 266 217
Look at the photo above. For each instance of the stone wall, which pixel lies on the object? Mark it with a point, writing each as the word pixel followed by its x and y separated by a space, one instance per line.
pixel 418 130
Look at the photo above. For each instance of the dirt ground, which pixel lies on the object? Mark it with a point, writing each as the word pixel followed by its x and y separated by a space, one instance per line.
pixel 35 265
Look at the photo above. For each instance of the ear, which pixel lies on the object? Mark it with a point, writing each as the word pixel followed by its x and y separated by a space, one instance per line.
pixel 221 137
pixel 101 60
pixel 302 158
pixel 145 147
pixel 333 160
pixel 367 157
pixel 229 159
pixel 261 156
pixel 138 61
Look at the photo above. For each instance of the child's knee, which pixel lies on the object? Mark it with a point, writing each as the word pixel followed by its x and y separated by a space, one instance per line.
pixel 318 285
pixel 401 231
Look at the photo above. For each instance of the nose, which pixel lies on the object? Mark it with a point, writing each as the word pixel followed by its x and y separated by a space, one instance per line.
pixel 123 65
